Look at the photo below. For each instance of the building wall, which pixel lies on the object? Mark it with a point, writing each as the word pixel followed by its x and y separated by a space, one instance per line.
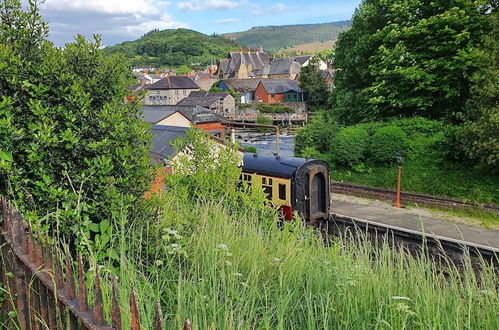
pixel 229 106
pixel 262 95
pixel 166 96
pixel 216 128
pixel 176 119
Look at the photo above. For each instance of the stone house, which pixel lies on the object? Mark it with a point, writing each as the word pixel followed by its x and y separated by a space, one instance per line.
pixel 242 65
pixel 169 90
pixel 221 103
pixel 244 87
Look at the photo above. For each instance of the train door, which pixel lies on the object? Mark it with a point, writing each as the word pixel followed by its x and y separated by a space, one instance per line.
pixel 317 203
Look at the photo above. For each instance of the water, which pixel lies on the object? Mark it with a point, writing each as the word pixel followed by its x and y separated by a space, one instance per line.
pixel 265 145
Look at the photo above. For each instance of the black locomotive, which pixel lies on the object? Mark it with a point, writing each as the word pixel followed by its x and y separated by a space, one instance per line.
pixel 296 184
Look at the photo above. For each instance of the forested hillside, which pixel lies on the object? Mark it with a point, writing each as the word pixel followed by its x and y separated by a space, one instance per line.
pixel 174 48
pixel 273 38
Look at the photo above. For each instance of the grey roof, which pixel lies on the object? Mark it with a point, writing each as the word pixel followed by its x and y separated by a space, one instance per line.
pixel 203 99
pixel 302 59
pixel 163 136
pixel 194 113
pixel 174 82
pixel 231 66
pixel 134 87
pixel 243 85
pixel 281 86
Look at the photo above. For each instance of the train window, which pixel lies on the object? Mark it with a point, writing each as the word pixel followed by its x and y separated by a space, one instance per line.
pixel 282 191
pixel 267 187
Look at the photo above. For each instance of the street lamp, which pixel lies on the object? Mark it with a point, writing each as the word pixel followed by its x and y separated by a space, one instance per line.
pixel 400 158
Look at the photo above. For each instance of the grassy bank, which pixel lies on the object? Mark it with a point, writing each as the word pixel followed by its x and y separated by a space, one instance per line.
pixel 217 255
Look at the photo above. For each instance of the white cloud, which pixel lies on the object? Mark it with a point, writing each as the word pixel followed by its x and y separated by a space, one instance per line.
pixel 277 8
pixel 115 20
pixel 196 5
pixel 105 6
pixel 227 21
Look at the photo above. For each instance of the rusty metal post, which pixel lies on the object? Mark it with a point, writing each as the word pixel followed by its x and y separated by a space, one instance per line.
pixel 397 198
pixel 98 309
pixel 115 309
pixel 135 322
pixel 159 318
pixel 187 325
pixel 82 289
pixel 21 295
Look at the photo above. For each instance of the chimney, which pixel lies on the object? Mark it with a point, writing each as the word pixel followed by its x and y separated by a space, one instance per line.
pixel 249 50
pixel 241 49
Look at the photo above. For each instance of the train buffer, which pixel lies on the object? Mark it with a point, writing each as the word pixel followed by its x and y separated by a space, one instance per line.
pixel 382 215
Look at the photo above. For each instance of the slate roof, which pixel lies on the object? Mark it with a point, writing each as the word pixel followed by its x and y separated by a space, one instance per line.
pixel 194 113
pixel 280 86
pixel 231 65
pixel 302 59
pixel 203 99
pixel 163 136
pixel 174 82
pixel 282 65
pixel 134 87
pixel 243 85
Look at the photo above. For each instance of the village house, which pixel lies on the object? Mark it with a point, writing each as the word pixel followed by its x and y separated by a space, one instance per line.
pixel 275 91
pixel 287 67
pixel 328 78
pixel 244 87
pixel 205 80
pixel 242 65
pixel 185 116
pixel 169 90
pixel 221 103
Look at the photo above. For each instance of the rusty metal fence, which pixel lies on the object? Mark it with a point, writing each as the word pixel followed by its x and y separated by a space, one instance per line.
pixel 43 290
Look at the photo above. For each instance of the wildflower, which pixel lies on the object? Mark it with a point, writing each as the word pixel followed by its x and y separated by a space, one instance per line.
pixel 487 292
pixel 352 283
pixel 174 246
pixel 401 298
pixel 405 309
pixel 237 274
pixel 222 247
pixel 158 262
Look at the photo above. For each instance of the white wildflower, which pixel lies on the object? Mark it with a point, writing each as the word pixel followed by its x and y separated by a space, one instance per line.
pixel 401 298
pixel 237 274
pixel 222 247
pixel 174 246
pixel 158 262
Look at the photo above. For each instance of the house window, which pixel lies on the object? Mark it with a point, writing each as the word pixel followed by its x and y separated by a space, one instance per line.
pixel 185 92
pixel 282 191
pixel 176 92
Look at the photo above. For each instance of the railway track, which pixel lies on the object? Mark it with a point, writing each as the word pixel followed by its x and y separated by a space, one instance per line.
pixel 386 194
pixel 441 249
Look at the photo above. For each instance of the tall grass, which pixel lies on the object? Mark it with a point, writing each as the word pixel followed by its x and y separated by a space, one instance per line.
pixel 219 257
pixel 234 273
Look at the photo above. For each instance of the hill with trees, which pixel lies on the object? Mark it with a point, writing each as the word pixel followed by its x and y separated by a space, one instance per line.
pixel 173 48
pixel 275 38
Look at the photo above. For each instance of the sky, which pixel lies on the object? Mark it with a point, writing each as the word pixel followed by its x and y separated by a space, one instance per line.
pixel 121 20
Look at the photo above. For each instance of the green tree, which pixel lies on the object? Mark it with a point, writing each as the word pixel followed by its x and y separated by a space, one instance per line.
pixel 76 146
pixel 481 141
pixel 313 84
pixel 183 70
pixel 406 58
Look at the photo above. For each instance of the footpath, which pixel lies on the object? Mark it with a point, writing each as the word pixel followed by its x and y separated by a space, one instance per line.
pixel 412 219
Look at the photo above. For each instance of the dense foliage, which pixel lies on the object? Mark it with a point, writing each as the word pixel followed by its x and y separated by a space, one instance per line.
pixel 313 84
pixel 385 143
pixel 174 48
pixel 76 146
pixel 409 58
pixel 349 146
pixel 432 163
pixel 273 38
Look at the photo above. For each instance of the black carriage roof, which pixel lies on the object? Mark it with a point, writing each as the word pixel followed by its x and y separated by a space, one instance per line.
pixel 283 167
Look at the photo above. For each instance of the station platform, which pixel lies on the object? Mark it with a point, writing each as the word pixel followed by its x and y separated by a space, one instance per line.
pixel 378 212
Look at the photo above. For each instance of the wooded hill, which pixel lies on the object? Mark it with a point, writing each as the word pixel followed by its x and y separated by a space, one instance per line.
pixel 173 48
pixel 274 38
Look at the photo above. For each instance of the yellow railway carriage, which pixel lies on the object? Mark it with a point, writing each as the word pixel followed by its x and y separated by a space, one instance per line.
pixel 296 184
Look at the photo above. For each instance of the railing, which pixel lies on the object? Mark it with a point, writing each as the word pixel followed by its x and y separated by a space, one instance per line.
pixel 43 296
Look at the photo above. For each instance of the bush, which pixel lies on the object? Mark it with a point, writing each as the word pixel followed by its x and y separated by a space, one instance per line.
pixel 417 126
pixel 273 108
pixel 385 143
pixel 349 146
pixel 317 133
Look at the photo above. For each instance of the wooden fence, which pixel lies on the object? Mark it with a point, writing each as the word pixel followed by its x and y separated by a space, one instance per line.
pixel 43 290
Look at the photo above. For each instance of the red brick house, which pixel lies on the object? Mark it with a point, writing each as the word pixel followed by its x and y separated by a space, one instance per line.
pixel 274 91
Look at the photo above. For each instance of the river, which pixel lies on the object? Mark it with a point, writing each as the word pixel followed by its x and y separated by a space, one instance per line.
pixel 265 144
